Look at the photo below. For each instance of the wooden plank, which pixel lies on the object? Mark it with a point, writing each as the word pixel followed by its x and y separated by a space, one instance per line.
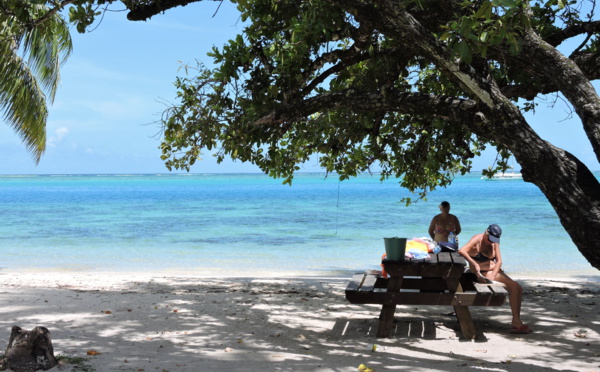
pixel 453 284
pixel 489 294
pixel 400 298
pixel 401 268
pixel 499 289
pixel 429 284
pixel 445 257
pixel 386 320
pixel 483 288
pixel 382 282
pixel 356 297
pixel 442 264
pixel 467 298
pixel 466 322
pixel 386 317
pixel 458 259
pixel 368 283
pixel 464 299
pixel 355 282
pixel 419 298
pixel 467 284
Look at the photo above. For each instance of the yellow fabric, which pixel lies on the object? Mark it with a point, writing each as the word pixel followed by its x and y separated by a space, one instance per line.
pixel 411 244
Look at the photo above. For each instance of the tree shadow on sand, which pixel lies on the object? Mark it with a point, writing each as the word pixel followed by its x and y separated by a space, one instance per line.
pixel 242 324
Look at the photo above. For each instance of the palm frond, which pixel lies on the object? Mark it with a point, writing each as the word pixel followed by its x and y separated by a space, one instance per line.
pixel 30 61
pixel 22 102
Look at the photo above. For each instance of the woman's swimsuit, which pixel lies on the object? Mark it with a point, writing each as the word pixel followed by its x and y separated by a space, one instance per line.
pixel 439 230
pixel 480 257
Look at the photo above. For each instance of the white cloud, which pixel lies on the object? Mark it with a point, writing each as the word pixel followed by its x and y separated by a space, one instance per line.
pixel 59 135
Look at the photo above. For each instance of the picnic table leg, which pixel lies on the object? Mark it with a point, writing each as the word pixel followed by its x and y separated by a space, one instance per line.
pixel 386 318
pixel 462 312
pixel 466 322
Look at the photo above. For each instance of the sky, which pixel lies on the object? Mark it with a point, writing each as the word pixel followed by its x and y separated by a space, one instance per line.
pixel 120 76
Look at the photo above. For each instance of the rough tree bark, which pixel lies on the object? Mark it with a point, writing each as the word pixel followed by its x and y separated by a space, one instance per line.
pixel 29 351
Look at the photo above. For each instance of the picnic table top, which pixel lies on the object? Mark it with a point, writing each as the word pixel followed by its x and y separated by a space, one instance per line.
pixel 443 264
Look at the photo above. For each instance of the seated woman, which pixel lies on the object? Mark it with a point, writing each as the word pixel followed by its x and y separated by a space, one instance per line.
pixel 483 254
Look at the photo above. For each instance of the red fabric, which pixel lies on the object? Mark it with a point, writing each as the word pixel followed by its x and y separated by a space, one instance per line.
pixel 384 273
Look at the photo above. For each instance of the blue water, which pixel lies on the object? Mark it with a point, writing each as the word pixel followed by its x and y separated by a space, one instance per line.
pixel 253 225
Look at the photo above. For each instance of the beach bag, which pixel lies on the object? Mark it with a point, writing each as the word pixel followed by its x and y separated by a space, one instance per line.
pixel 448 247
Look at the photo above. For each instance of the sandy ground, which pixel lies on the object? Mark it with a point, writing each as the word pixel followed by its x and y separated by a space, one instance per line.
pixel 170 323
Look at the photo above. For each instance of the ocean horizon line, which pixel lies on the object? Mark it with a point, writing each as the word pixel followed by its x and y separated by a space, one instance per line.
pixel 183 174
pixel 125 174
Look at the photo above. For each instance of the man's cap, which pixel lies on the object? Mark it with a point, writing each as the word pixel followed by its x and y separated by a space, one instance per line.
pixel 494 232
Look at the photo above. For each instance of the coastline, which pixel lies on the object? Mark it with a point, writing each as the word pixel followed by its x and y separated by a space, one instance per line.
pixel 590 275
pixel 165 322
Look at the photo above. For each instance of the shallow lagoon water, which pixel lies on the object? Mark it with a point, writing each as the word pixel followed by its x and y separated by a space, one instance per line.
pixel 249 224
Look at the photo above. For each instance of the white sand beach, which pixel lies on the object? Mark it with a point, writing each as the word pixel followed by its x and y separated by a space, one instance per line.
pixel 172 323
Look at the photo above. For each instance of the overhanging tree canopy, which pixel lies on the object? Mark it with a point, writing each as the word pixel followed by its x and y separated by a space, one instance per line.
pixel 414 87
pixel 417 88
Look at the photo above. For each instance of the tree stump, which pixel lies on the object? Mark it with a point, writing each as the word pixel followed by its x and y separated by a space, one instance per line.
pixel 29 351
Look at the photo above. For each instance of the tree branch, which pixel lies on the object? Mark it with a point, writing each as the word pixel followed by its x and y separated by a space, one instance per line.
pixel 143 12
pixel 588 63
pixel 449 108
pixel 51 12
pixel 572 31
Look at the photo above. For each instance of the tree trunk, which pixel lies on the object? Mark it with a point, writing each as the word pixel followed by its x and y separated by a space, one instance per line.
pixel 29 351
pixel 571 189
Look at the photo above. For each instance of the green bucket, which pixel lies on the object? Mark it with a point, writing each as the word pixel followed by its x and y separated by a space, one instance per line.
pixel 395 248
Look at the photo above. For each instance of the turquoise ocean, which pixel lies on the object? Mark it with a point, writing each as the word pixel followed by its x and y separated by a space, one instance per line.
pixel 252 225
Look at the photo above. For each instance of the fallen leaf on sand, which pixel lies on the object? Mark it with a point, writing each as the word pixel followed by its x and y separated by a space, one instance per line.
pixel 93 352
pixel 107 311
pixel 582 333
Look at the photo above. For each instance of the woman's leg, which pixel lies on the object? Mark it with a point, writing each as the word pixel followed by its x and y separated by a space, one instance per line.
pixel 515 297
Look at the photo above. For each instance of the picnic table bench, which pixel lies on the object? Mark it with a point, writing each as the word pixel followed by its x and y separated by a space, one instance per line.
pixel 438 280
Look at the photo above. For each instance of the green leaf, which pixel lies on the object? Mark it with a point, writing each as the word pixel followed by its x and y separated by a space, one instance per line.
pixel 505 3
pixel 483 37
pixel 485 11
pixel 445 36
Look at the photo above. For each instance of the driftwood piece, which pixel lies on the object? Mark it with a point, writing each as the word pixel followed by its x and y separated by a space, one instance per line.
pixel 29 351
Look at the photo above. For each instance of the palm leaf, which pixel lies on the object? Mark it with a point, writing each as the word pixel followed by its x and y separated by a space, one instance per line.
pixel 30 61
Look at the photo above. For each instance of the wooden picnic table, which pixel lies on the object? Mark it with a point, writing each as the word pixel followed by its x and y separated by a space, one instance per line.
pixel 438 280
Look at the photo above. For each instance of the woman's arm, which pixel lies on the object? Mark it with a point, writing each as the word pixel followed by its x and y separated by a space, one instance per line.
pixel 432 228
pixel 465 252
pixel 498 261
pixel 457 226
